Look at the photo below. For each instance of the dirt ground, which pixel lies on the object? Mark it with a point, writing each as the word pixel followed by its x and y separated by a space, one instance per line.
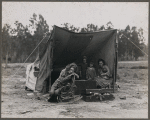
pixel 15 103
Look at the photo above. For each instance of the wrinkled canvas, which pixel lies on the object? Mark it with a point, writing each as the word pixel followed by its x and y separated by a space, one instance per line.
pixel 70 47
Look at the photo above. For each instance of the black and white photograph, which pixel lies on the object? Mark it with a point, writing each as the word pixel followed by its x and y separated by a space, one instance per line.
pixel 74 59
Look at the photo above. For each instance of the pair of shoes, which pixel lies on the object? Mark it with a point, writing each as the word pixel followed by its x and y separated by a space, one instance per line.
pixel 48 99
pixel 58 99
pixel 38 98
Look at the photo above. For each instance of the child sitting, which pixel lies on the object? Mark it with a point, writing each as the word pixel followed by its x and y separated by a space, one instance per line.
pixel 91 72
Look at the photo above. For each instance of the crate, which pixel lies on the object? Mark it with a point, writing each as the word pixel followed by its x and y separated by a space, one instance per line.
pixel 82 85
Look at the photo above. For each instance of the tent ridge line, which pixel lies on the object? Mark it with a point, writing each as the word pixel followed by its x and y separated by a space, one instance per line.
pixel 85 33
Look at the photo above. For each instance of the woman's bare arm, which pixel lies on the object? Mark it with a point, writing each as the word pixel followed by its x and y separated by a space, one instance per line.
pixel 69 77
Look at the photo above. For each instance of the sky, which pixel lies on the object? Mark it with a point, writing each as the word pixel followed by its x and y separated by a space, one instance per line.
pixel 80 14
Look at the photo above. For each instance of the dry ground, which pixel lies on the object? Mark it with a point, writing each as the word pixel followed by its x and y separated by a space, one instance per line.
pixel 15 102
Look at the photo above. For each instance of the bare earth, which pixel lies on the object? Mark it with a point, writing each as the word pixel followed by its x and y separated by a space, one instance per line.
pixel 17 104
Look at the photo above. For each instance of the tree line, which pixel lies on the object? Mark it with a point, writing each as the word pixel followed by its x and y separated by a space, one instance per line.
pixel 19 42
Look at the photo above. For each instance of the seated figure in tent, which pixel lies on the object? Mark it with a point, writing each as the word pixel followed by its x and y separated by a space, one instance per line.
pixel 91 72
pixel 66 78
pixel 103 74
pixel 103 70
pixel 83 68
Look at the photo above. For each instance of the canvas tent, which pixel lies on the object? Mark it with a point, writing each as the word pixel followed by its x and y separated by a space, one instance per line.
pixel 64 47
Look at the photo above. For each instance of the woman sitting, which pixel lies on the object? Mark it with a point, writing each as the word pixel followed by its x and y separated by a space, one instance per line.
pixel 103 70
pixel 65 78
pixel 103 79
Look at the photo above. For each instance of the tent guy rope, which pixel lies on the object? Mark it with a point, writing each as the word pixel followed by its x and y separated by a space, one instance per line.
pixel 29 56
pixel 135 44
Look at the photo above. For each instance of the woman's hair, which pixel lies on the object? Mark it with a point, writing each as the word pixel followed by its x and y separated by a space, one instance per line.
pixel 84 57
pixel 102 61
pixel 72 65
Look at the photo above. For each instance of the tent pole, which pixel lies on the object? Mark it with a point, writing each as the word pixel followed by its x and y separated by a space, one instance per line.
pixel 51 64
pixel 116 59
pixel 51 59
pixel 114 78
pixel 116 54
pixel 6 60
pixel 115 64
pixel 115 67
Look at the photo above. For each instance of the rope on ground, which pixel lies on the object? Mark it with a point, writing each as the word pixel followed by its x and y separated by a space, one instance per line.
pixel 135 45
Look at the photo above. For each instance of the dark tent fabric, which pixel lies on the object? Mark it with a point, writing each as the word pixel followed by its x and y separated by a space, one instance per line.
pixel 65 47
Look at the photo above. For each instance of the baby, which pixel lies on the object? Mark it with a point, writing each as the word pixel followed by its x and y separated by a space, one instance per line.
pixel 104 74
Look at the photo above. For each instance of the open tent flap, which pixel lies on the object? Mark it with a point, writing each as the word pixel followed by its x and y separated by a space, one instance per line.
pixel 65 47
